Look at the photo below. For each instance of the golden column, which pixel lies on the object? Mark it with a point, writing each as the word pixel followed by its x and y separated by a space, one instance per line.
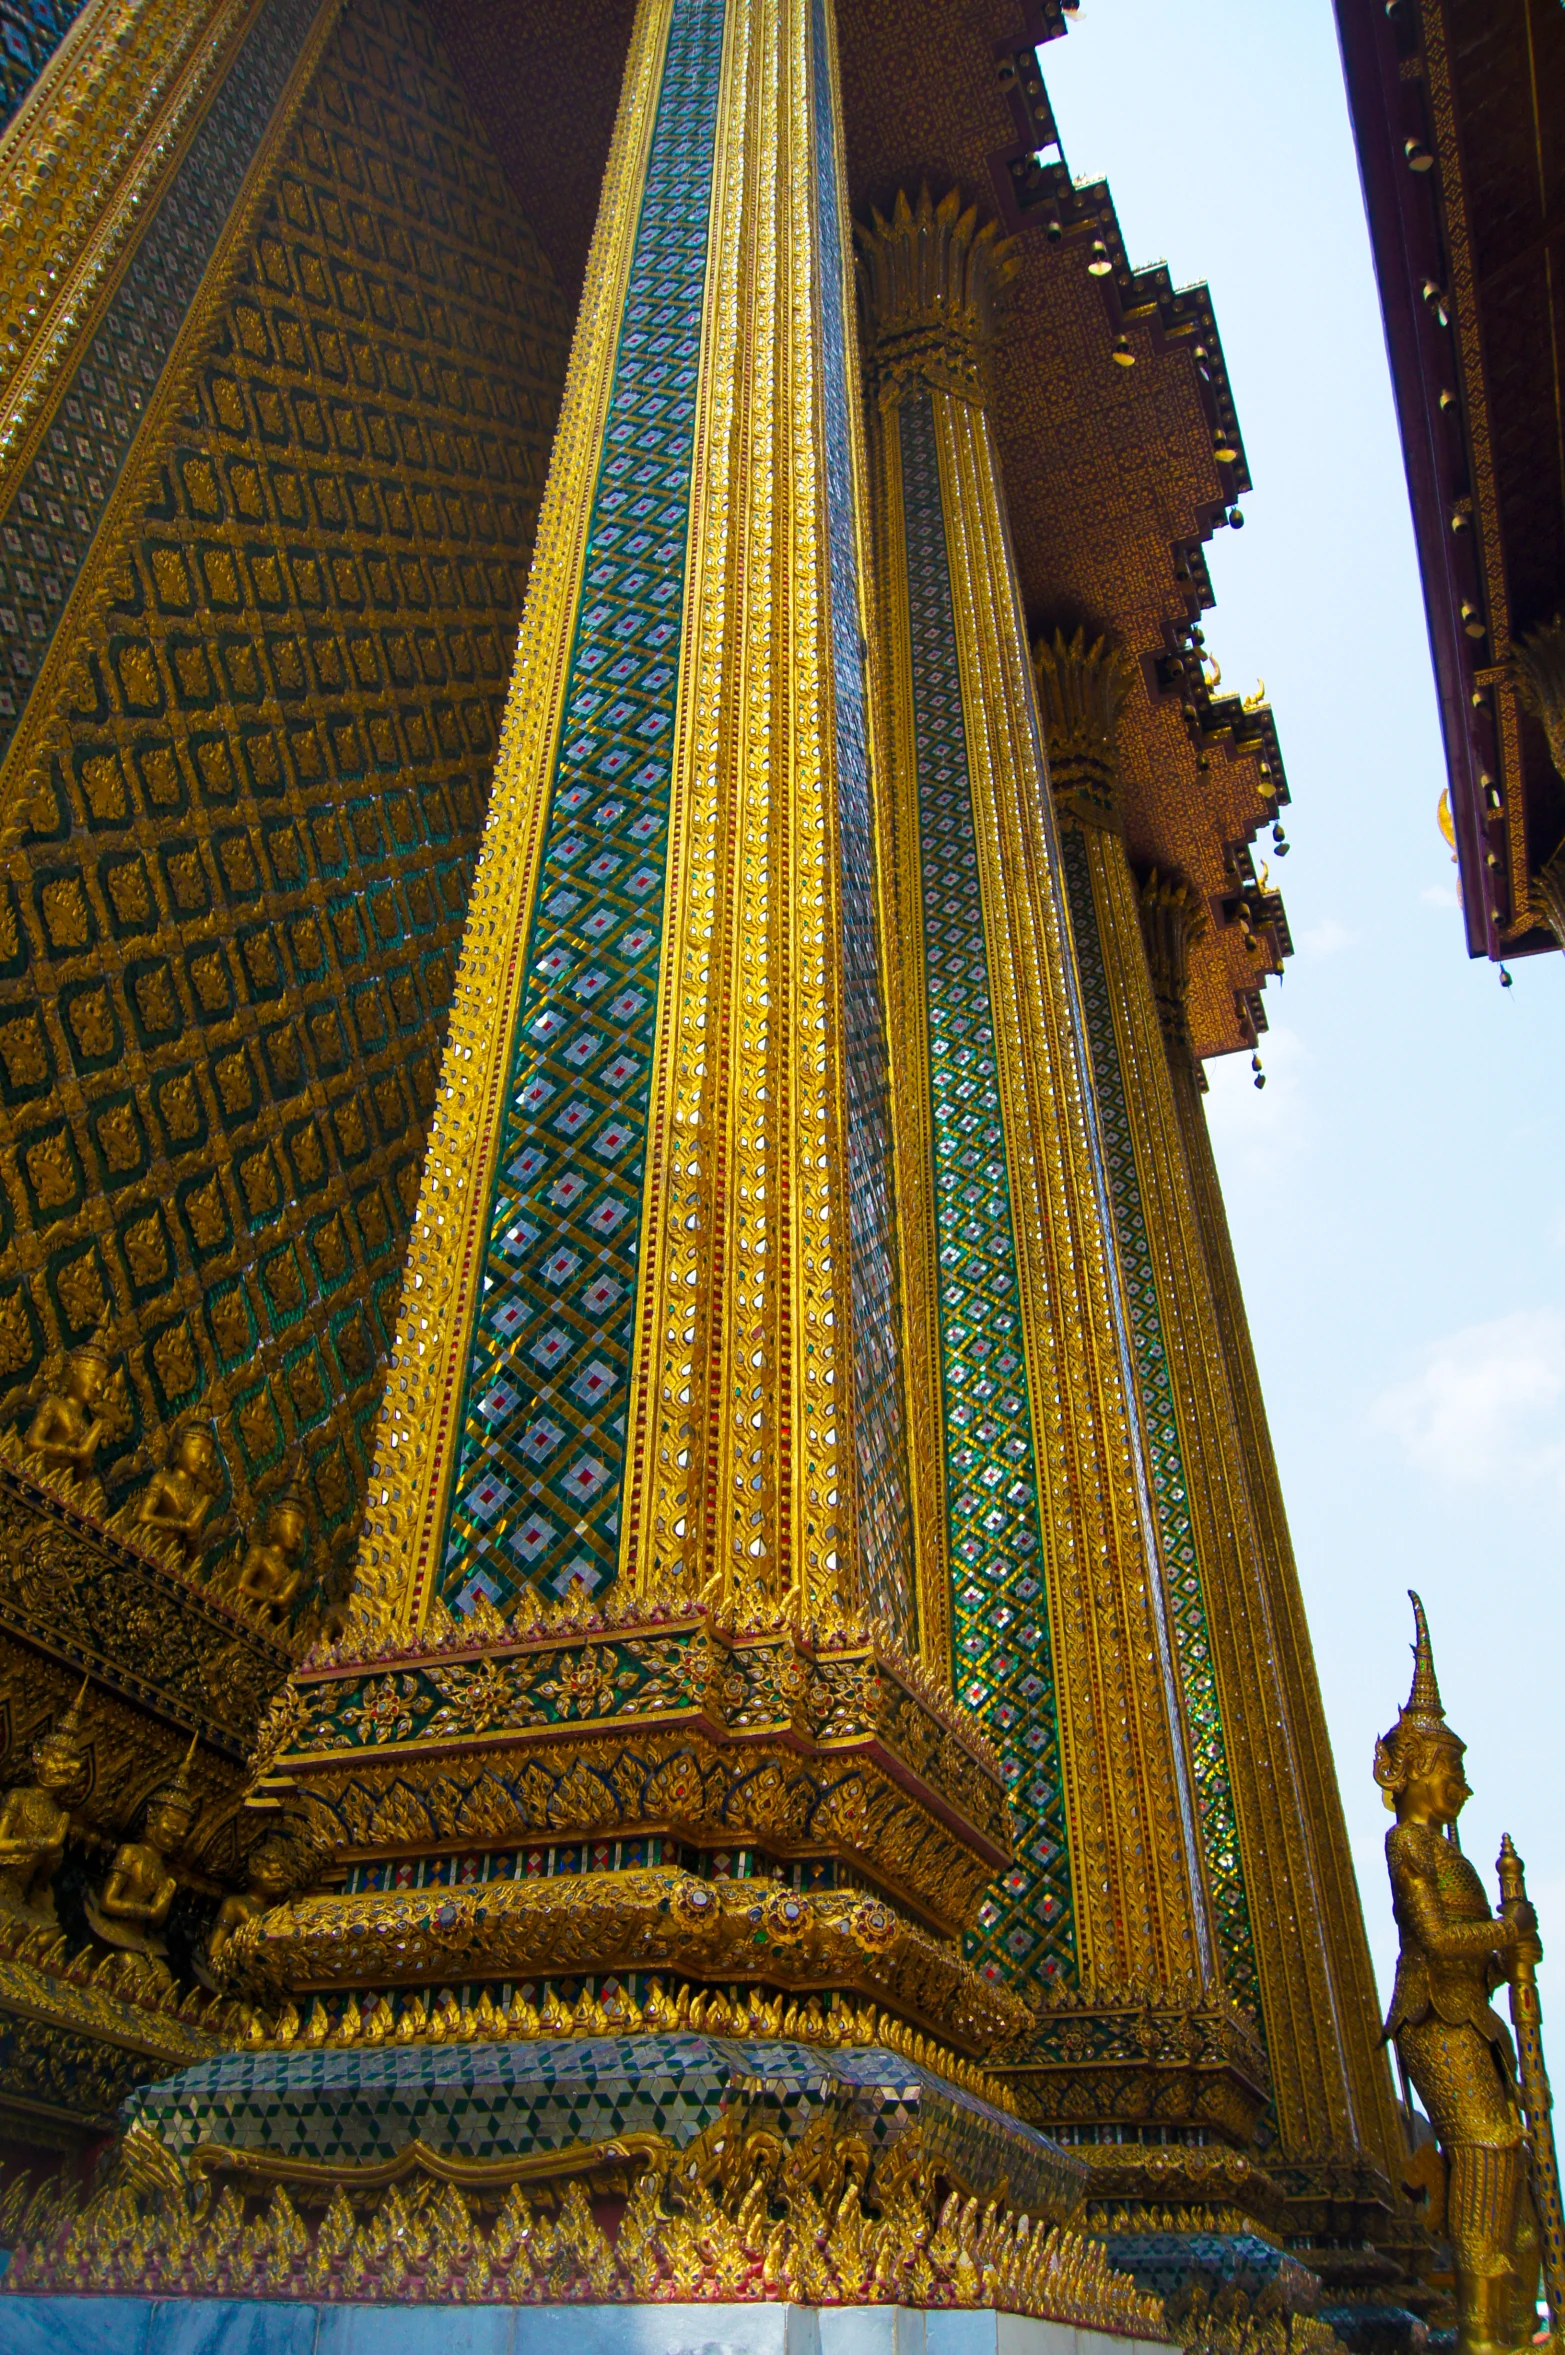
pixel 648 1387
pixel 1272 1822
pixel 1035 1538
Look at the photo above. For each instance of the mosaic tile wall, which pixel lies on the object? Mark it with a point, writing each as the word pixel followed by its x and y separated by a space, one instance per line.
pixel 30 33
pixel 883 1496
pixel 502 2100
pixel 537 1486
pixel 1214 1793
pixel 227 947
pixel 1003 1665
pixel 60 499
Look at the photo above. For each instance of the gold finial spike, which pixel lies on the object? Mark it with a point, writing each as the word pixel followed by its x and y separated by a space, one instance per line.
pixel 71 1723
pixel 1424 1699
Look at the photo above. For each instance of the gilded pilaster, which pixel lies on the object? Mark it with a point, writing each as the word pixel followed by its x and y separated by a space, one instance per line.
pixel 1257 1842
pixel 1288 1701
pixel 1060 1620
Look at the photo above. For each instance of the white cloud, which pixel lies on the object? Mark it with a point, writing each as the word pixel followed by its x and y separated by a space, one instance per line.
pixel 1438 895
pixel 1326 937
pixel 1485 1402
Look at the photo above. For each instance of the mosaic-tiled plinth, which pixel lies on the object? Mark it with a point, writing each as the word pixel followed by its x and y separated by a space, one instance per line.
pixel 489 2105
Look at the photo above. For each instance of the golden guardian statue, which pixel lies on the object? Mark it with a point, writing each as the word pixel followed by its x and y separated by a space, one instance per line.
pixel 1457 2050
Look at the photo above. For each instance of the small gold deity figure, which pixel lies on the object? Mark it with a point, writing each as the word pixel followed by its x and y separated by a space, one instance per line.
pixel 65 1432
pixel 34 1818
pixel 1456 2049
pixel 274 1563
pixel 177 1500
pixel 269 1879
pixel 132 1906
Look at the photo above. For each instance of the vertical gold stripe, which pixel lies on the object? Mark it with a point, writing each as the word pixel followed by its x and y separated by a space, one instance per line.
pixel 741 1479
pixel 419 1429
pixel 900 860
pixel 1140 1893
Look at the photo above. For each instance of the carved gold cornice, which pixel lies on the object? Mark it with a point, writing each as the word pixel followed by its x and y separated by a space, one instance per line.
pixel 647 1919
pixel 1081 691
pixel 932 280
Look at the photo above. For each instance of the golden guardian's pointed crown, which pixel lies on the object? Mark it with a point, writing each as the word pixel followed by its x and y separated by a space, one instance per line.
pixel 1421 1723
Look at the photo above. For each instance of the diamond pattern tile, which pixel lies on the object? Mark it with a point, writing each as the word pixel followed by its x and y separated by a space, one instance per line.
pixel 496 2101
pixel 537 1487
pixel 1003 1664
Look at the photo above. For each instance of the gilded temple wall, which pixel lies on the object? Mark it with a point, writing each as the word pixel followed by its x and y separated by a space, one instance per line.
pixel 252 725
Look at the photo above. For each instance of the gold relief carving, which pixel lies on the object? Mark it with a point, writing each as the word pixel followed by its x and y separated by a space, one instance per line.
pixel 35 1818
pixel 234 663
pixel 1081 691
pixel 935 278
pixel 742 2212
pixel 129 1909
pixel 643 1919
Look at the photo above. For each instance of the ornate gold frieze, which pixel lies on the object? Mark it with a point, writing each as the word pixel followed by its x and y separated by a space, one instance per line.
pixel 109 1601
pixel 934 279
pixel 741 2213
pixel 247 784
pixel 641 1919
pixel 79 2030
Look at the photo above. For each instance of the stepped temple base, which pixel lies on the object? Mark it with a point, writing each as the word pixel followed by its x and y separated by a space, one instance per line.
pixel 625 2169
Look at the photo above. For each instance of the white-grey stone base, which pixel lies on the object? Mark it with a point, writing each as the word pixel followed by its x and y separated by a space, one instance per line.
pixel 250 2326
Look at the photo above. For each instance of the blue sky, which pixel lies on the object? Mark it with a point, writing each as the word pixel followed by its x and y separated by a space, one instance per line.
pixel 1396 1193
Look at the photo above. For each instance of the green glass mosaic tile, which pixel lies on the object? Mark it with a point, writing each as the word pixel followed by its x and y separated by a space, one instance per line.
pixel 498 2101
pixel 537 1487
pixel 1003 1665
pixel 1192 1636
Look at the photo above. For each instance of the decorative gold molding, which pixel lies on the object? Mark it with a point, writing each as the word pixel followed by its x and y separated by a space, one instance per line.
pixel 642 1919
pixel 934 278
pixel 1081 691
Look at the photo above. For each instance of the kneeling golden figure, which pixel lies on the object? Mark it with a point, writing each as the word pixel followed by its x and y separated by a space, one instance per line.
pixel 35 1818
pixel 1457 2050
pixel 132 1906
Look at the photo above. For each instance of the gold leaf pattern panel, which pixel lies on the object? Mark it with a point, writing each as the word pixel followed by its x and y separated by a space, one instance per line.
pixel 248 817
